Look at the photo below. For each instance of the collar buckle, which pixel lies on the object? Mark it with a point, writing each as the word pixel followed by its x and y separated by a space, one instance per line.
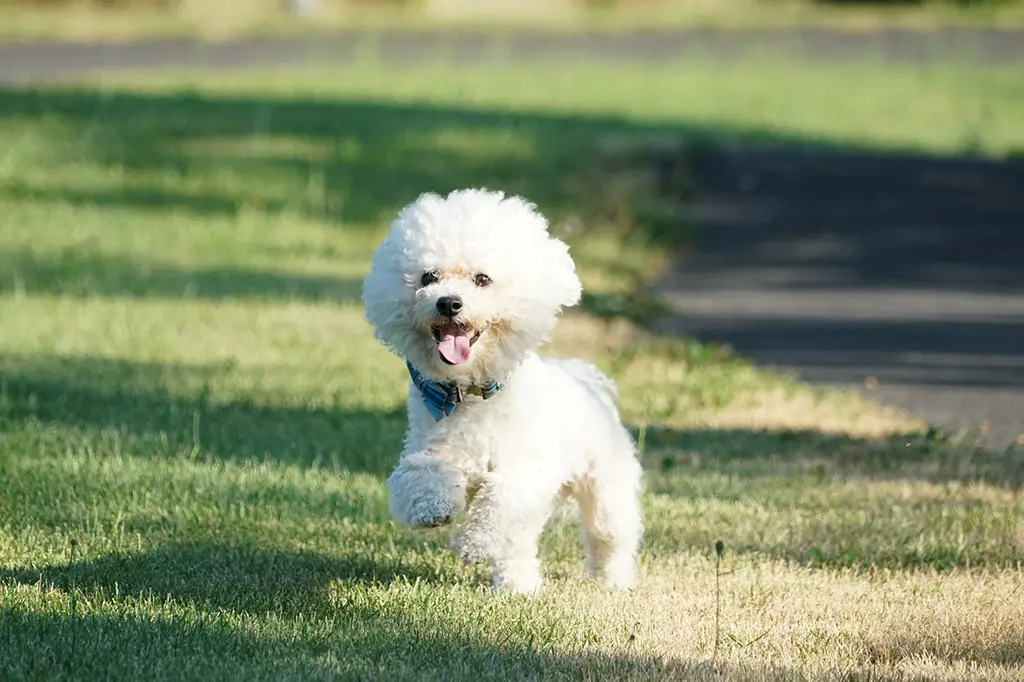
pixel 441 398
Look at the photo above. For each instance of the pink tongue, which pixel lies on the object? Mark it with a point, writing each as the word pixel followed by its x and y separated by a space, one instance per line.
pixel 454 346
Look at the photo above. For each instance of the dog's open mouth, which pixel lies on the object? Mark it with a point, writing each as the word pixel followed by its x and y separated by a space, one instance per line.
pixel 455 341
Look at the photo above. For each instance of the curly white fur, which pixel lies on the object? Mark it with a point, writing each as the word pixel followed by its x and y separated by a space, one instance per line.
pixel 552 433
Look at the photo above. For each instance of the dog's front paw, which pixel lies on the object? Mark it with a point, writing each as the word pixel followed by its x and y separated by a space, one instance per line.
pixel 425 493
pixel 427 509
pixel 430 519
pixel 469 548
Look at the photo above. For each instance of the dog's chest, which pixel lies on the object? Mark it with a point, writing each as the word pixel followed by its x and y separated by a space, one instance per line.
pixel 470 441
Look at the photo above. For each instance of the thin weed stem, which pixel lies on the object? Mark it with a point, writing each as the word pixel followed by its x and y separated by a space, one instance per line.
pixel 719 550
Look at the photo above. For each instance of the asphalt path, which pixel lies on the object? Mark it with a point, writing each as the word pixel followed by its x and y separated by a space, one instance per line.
pixel 901 276
pixel 35 61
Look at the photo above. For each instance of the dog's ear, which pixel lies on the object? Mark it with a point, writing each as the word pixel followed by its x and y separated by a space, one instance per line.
pixel 565 285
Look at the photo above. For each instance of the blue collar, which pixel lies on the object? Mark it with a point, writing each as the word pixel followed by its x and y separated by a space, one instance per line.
pixel 441 398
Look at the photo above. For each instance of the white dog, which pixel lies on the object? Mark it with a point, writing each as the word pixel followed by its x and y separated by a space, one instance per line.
pixel 465 288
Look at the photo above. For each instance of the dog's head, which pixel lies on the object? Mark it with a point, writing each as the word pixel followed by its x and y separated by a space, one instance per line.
pixel 464 286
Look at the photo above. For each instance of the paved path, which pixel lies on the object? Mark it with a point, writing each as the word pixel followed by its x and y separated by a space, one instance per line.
pixel 851 270
pixel 990 47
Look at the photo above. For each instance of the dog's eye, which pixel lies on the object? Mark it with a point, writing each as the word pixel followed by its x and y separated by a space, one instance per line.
pixel 482 280
pixel 430 277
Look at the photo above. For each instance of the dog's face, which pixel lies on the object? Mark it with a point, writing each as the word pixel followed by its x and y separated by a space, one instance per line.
pixel 465 285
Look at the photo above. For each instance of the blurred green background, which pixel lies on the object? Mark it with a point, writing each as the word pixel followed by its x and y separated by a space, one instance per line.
pixel 124 19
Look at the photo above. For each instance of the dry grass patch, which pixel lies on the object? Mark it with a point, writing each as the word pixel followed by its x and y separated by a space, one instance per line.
pixel 780 621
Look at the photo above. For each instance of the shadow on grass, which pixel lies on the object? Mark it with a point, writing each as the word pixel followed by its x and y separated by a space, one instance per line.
pixel 367 644
pixel 76 272
pixel 359 645
pixel 338 159
pixel 155 199
pixel 211 575
pixel 135 399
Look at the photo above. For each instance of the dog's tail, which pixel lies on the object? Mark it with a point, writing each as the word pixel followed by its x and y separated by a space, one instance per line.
pixel 593 379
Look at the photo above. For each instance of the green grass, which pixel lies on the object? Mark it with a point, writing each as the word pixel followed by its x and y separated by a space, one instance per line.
pixel 195 422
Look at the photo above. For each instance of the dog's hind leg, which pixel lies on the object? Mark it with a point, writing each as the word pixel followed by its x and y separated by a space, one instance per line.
pixel 611 520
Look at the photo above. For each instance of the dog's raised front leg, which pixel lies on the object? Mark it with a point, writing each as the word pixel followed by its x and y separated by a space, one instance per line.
pixel 425 491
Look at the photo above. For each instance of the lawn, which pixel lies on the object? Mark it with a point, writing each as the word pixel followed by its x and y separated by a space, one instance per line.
pixel 195 422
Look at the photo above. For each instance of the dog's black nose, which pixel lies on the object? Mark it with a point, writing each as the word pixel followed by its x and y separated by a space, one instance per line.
pixel 449 306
